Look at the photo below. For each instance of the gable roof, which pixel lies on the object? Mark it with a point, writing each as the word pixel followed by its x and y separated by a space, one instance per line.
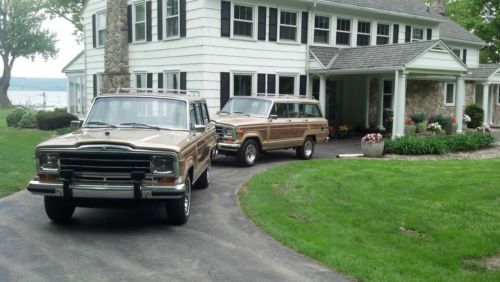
pixel 484 71
pixel 70 64
pixel 452 31
pixel 409 7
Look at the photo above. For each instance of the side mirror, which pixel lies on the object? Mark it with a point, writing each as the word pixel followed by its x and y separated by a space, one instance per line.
pixel 273 116
pixel 200 128
pixel 76 123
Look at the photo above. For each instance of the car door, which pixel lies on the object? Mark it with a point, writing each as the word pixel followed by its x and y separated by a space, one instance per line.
pixel 279 126
pixel 202 138
pixel 316 122
pixel 298 125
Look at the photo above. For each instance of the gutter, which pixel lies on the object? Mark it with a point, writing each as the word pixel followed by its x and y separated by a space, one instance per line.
pixel 482 44
pixel 360 71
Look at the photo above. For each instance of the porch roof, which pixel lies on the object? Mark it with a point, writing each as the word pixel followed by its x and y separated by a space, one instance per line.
pixel 388 57
pixel 485 72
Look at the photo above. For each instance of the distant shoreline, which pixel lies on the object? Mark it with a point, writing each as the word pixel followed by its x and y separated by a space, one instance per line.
pixel 38 84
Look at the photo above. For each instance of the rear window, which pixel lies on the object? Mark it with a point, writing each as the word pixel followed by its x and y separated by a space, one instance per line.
pixel 312 111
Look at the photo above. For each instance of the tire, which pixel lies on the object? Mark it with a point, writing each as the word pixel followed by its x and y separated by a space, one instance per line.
pixel 58 210
pixel 306 151
pixel 204 180
pixel 178 210
pixel 248 154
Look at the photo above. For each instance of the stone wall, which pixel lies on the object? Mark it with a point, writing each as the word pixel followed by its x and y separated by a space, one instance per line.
pixel 496 109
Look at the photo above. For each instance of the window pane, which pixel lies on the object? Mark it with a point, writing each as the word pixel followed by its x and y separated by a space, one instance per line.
pixel 140 31
pixel 387 101
pixel 243 13
pixel 141 80
pixel 363 40
pixel 343 38
pixel 172 7
pixel 456 52
pixel 383 29
pixel 343 32
pixel 387 87
pixel 172 27
pixel 382 40
pixel 102 37
pixel 279 110
pixel 321 36
pixel 322 22
pixel 204 111
pixel 140 13
pixel 288 33
pixel 295 110
pixel 363 27
pixel 243 28
pixel 172 81
pixel 242 85
pixel 288 18
pixel 344 25
pixel 311 111
pixel 418 34
pixel 101 21
pixel 287 85
pixel 450 93
pixel 199 116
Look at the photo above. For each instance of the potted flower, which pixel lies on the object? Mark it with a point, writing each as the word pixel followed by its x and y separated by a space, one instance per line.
pixel 343 131
pixel 372 145
pixel 435 128
pixel 410 127
pixel 467 119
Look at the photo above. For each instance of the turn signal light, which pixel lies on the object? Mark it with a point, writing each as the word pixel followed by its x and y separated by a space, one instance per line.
pixel 48 177
pixel 166 180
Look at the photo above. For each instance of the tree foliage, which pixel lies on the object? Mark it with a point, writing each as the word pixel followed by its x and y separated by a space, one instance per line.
pixel 69 10
pixel 21 35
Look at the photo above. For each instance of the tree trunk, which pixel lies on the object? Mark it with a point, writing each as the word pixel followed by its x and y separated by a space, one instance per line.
pixel 4 86
pixel 116 53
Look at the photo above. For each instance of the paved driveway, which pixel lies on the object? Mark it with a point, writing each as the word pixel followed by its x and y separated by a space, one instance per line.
pixel 217 244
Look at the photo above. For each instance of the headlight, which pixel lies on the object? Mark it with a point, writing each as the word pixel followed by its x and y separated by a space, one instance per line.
pixel 165 165
pixel 230 133
pixel 48 162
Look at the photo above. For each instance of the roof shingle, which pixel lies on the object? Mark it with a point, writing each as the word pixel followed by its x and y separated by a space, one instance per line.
pixel 451 30
pixel 484 71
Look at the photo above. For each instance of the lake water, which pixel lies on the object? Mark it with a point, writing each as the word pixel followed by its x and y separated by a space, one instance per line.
pixel 35 99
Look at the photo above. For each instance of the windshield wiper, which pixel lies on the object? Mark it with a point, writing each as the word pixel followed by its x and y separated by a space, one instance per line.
pixel 134 124
pixel 240 113
pixel 224 112
pixel 101 123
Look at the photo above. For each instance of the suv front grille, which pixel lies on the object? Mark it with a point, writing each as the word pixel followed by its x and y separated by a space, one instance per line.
pixel 219 132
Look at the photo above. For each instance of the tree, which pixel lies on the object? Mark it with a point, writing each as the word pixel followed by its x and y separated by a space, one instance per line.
pixel 21 35
pixel 69 10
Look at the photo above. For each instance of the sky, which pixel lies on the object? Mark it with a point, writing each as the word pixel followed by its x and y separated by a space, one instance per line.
pixel 68 49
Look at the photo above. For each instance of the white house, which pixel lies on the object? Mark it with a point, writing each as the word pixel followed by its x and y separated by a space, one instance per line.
pixel 358 57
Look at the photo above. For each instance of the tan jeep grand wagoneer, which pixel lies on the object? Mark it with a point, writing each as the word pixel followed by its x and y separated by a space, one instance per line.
pixel 134 146
pixel 247 126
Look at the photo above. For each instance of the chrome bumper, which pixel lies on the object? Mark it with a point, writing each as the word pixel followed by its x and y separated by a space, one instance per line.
pixel 106 191
pixel 228 147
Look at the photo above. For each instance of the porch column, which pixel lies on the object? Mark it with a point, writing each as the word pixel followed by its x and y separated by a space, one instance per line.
pixel 486 95
pixel 380 104
pixel 310 86
pixel 367 104
pixel 400 107
pixel 322 93
pixel 460 102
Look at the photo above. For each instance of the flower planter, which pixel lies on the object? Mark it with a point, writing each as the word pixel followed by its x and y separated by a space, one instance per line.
pixel 372 150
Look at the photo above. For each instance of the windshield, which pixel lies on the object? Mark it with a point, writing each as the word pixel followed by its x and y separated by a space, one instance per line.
pixel 143 112
pixel 248 106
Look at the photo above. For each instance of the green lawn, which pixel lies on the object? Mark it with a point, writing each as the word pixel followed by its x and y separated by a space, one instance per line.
pixel 17 146
pixel 385 220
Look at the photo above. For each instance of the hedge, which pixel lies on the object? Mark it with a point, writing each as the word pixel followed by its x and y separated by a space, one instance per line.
pixel 437 145
pixel 476 114
pixel 28 121
pixel 54 120
pixel 15 116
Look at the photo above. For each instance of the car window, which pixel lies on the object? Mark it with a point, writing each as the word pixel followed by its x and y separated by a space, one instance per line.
pixel 312 110
pixel 192 115
pixel 295 110
pixel 199 116
pixel 280 110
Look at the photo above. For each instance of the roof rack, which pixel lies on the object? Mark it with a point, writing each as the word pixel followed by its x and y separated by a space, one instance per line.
pixel 282 96
pixel 156 91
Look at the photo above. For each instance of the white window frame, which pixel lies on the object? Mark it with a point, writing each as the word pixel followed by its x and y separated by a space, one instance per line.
pixel 341 31
pixel 363 33
pixel 498 95
pixel 137 73
pixel 247 73
pixel 134 22
pixel 99 83
pixel 322 29
pixel 165 79
pixel 391 94
pixel 446 94
pixel 166 17
pixel 98 42
pixel 295 83
pixel 253 21
pixel 389 36
pixel 459 55
pixel 413 28
pixel 298 24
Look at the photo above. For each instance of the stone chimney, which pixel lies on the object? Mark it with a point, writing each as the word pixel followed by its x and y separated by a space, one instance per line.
pixel 438 6
pixel 116 52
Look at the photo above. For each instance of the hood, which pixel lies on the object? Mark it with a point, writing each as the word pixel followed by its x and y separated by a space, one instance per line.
pixel 238 120
pixel 149 139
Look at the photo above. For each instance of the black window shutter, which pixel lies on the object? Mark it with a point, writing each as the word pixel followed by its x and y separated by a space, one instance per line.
pixel 273 24
pixel 149 81
pixel 261 83
pixel 182 18
pixel 149 26
pixel 303 85
pixel 224 88
pixel 94 82
pixel 271 83
pixel 160 79
pixel 429 34
pixel 183 81
pixel 159 14
pixel 408 34
pixel 225 19
pixel 305 26
pixel 129 23
pixel 94 37
pixel 395 34
pixel 465 56
pixel 262 23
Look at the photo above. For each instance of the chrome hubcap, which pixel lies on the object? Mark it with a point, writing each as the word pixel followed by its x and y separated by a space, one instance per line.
pixel 251 154
pixel 187 198
pixel 308 148
pixel 208 174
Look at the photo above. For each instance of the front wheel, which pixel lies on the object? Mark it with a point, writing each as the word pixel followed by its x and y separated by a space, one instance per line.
pixel 204 180
pixel 306 151
pixel 58 209
pixel 247 155
pixel 178 209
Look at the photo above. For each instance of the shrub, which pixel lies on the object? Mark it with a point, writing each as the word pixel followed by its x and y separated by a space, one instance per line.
pixel 437 145
pixel 15 116
pixel 419 117
pixel 445 122
pixel 28 121
pixel 476 113
pixel 54 120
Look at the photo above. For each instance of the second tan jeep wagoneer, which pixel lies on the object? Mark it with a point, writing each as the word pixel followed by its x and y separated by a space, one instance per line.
pixel 247 126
